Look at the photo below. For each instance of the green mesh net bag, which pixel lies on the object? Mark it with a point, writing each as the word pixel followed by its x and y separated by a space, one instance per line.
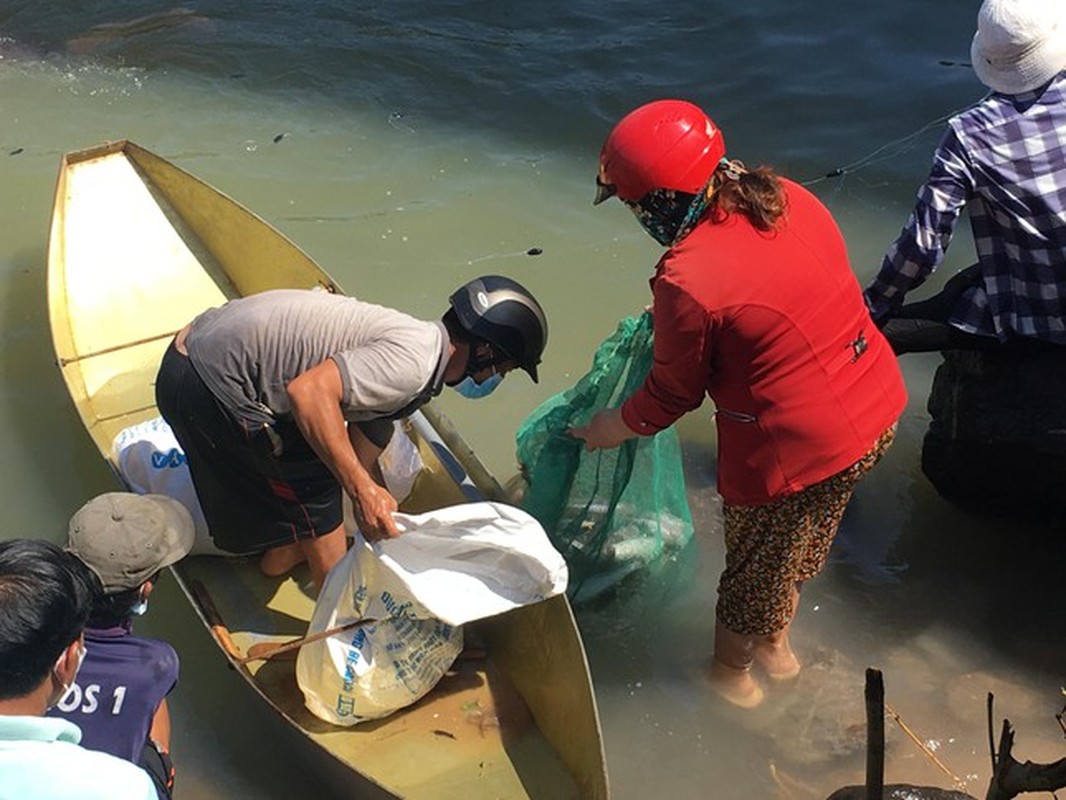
pixel 609 512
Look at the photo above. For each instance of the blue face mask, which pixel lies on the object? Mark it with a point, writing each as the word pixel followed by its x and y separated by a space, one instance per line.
pixel 472 390
pixel 139 608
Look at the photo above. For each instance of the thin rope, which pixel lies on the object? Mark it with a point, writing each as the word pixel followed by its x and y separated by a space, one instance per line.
pixel 886 151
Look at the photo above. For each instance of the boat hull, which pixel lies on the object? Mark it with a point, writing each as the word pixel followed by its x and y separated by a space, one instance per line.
pixel 137 248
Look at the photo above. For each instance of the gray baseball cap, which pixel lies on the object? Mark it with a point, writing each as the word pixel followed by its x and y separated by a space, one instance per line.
pixel 126 538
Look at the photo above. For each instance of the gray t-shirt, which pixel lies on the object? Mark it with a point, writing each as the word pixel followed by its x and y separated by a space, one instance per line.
pixel 248 350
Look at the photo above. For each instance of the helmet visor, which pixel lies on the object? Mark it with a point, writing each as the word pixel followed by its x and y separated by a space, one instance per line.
pixel 604 191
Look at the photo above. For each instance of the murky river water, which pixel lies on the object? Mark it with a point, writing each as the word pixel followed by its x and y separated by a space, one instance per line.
pixel 412 146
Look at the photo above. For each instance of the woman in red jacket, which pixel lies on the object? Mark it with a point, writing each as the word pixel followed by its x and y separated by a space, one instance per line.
pixel 755 305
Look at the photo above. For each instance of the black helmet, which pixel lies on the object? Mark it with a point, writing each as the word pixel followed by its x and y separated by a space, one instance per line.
pixel 503 313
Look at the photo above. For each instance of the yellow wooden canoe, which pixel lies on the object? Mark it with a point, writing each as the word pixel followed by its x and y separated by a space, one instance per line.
pixel 137 248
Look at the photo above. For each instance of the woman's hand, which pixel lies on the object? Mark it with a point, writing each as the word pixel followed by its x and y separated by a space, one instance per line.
pixel 605 430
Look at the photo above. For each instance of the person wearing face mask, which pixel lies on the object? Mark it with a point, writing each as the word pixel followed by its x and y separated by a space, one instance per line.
pixel 119 699
pixel 46 596
pixel 754 305
pixel 283 400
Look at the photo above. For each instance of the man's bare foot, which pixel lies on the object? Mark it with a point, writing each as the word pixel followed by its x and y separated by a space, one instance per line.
pixel 776 660
pixel 735 685
pixel 280 561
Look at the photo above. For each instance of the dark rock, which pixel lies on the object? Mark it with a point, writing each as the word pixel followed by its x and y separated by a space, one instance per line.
pixel 997 436
pixel 901 791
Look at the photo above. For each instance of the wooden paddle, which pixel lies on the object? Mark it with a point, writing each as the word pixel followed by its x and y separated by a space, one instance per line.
pixel 267 650
pixel 264 650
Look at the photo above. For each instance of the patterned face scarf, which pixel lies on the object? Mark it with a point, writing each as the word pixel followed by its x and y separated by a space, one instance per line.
pixel 669 215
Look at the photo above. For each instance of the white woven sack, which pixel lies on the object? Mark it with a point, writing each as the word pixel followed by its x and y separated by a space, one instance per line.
pixel 447 568
pixel 370 671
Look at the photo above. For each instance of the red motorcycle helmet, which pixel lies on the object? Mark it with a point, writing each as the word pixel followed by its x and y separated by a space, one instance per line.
pixel 665 144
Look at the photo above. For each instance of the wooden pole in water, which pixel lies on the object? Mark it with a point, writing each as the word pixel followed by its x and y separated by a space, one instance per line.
pixel 875 734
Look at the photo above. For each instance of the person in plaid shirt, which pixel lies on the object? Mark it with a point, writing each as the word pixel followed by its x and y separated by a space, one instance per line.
pixel 1005 159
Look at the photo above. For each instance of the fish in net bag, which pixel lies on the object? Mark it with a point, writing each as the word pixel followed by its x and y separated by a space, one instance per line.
pixel 610 512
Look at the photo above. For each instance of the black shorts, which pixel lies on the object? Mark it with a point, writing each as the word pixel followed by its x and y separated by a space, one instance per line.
pixel 258 488
pixel 156 762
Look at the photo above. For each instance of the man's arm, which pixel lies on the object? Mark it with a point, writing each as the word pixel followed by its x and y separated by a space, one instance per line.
pixel 160 730
pixel 316 397
pixel 367 452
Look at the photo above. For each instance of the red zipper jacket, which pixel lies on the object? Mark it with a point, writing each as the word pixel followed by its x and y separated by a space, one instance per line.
pixel 773 327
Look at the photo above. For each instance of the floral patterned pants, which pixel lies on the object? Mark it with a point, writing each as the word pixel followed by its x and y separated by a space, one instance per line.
pixel 772 547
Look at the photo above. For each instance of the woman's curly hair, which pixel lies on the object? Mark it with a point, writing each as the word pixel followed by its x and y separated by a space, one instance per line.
pixel 757 194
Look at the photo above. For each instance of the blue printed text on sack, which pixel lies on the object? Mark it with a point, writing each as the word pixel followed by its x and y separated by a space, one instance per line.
pixel 171 459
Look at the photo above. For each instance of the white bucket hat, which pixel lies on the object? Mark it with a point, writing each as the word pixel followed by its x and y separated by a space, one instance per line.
pixel 1020 44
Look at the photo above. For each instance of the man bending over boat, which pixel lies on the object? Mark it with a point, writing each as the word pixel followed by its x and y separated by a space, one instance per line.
pixel 45 598
pixel 119 700
pixel 284 399
pixel 1004 158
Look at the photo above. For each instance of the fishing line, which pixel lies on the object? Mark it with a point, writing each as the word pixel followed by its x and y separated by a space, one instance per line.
pixel 888 150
